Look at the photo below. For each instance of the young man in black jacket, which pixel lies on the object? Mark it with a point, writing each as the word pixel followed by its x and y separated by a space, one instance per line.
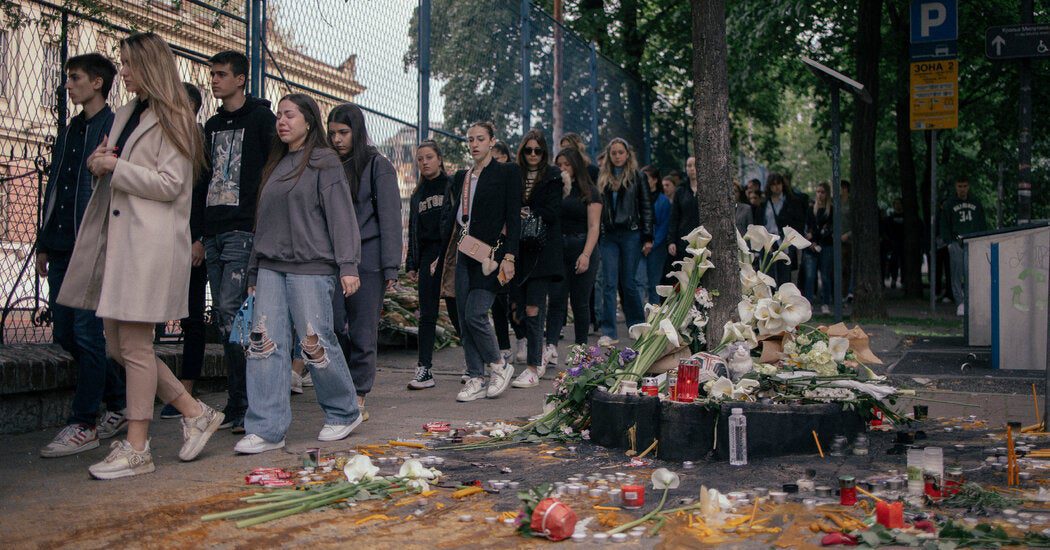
pixel 79 331
pixel 238 139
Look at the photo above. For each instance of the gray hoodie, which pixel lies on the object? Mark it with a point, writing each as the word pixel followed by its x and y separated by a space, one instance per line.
pixel 381 242
pixel 306 225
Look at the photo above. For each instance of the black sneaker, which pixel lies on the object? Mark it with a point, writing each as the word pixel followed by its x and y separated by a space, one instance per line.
pixel 170 411
pixel 423 379
pixel 230 418
pixel 238 425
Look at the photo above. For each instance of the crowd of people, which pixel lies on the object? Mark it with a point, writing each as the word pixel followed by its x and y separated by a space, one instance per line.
pixel 299 217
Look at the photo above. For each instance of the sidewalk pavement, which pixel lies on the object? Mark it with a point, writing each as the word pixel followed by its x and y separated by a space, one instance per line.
pixel 81 511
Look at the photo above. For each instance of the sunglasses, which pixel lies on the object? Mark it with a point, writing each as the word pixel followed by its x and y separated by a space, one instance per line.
pixel 532 150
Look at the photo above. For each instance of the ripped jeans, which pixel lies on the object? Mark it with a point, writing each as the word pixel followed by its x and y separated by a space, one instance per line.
pixel 284 301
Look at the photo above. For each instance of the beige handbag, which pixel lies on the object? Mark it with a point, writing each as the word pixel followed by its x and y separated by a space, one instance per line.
pixel 479 251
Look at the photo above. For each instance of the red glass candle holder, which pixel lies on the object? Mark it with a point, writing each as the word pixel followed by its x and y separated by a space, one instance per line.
pixel 847 490
pixel 687 387
pixel 632 496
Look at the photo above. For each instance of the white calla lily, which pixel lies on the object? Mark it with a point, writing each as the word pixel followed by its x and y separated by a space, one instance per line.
pixel 744 388
pixel 698 237
pixel 665 479
pixel 668 329
pixel 739 332
pixel 664 291
pixel 360 468
pixel 746 309
pixel 414 469
pixel 782 256
pixel 795 309
pixel 741 243
pixel 760 238
pixel 794 238
pixel 838 347
pixel 719 389
pixel 636 331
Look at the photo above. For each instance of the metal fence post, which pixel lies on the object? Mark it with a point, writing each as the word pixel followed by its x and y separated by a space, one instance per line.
pixel 255 47
pixel 423 131
pixel 593 146
pixel 526 77
pixel 61 109
pixel 647 129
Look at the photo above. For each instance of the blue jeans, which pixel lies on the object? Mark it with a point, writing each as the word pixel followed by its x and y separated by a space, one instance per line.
pixel 475 331
pixel 827 274
pixel 621 254
pixel 284 301
pixel 80 333
pixel 654 270
pixel 227 258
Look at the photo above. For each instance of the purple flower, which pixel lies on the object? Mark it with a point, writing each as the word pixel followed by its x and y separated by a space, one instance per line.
pixel 628 355
pixel 575 371
pixel 594 351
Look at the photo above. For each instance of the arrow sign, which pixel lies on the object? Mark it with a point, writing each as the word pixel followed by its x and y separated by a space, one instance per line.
pixel 998 43
pixel 1017 41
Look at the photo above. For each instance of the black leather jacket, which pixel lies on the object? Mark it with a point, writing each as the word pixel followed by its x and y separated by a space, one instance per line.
pixel 634 211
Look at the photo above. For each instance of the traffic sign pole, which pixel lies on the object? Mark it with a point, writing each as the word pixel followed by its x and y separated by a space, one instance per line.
pixel 933 221
pixel 1024 149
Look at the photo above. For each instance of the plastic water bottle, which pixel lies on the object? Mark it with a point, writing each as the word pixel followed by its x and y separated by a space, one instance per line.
pixel 737 438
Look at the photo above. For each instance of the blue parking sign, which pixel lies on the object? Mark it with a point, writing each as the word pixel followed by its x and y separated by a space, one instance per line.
pixel 934 21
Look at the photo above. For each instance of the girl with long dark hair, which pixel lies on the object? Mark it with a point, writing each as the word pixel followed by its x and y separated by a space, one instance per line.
pixel 377 202
pixel 627 234
pixel 540 263
pixel 307 248
pixel 131 260
pixel 819 257
pixel 781 209
pixel 425 252
pixel 581 212
pixel 486 205
pixel 655 262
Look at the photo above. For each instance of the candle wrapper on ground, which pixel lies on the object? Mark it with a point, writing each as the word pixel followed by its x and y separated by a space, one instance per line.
pixel 553 519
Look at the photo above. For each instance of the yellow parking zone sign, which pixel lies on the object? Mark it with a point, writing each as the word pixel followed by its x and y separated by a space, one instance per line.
pixel 935 95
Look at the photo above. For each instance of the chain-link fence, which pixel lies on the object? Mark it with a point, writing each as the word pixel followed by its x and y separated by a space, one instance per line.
pixel 410 64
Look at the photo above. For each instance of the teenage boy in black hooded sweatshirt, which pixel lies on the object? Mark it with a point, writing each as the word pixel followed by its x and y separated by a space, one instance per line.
pixel 238 139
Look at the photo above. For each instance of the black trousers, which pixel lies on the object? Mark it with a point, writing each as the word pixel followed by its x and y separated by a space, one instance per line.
pixel 573 288
pixel 193 325
pixel 429 301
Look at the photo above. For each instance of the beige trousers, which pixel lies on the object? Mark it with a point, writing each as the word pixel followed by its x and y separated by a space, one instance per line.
pixel 131 344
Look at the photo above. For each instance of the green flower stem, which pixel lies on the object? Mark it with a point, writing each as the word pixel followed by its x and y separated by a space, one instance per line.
pixel 642 519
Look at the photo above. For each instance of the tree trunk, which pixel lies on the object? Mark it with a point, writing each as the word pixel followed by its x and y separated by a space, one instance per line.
pixel 864 225
pixel 911 263
pixel 713 156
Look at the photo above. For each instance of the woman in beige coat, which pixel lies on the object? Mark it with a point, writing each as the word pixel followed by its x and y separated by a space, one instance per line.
pixel 132 258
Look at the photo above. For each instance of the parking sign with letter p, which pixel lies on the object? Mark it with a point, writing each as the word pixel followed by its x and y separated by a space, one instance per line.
pixel 934 20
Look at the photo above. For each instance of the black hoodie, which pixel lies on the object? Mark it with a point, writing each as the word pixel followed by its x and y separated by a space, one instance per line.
pixel 238 143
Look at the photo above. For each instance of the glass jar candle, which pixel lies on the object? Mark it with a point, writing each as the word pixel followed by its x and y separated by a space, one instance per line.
pixel 847 490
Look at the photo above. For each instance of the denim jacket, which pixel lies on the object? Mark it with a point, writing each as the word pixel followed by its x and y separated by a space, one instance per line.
pixel 97 128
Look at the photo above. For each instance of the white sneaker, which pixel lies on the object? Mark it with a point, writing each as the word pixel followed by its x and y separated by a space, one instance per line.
pixel 521 350
pixel 123 461
pixel 297 382
pixel 73 439
pixel 308 380
pixel 112 423
pixel 423 379
pixel 463 378
pixel 499 379
pixel 607 342
pixel 198 430
pixel 252 444
pixel 527 379
pixel 335 432
pixel 473 389
pixel 550 356
pixel 960 310
pixel 824 309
